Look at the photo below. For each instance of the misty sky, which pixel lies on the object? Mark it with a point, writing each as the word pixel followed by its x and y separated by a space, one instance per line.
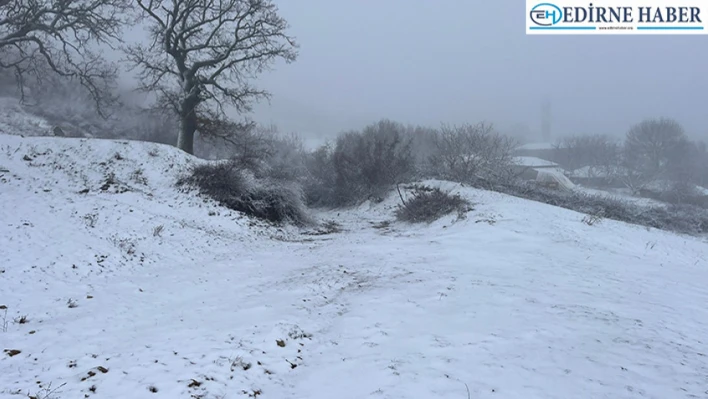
pixel 427 62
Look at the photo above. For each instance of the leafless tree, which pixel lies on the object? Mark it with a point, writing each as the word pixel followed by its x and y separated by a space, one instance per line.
pixel 60 37
pixel 470 153
pixel 650 148
pixel 700 163
pixel 369 162
pixel 423 140
pixel 245 143
pixel 650 144
pixel 205 52
pixel 633 179
pixel 599 152
pixel 685 170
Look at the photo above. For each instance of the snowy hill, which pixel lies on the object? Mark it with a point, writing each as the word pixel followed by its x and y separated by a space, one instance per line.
pixel 14 119
pixel 132 288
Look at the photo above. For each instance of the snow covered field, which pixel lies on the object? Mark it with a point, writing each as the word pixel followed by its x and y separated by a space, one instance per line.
pixel 132 289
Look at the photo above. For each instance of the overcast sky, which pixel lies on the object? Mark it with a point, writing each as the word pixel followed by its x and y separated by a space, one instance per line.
pixel 427 62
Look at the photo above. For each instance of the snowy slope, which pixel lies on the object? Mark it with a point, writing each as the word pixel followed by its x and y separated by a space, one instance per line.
pixel 14 119
pixel 518 300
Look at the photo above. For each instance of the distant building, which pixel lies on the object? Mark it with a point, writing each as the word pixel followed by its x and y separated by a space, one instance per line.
pixel 546 151
pixel 542 171
pixel 599 176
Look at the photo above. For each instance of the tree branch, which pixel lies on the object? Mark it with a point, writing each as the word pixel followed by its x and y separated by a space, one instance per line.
pixel 40 36
pixel 208 50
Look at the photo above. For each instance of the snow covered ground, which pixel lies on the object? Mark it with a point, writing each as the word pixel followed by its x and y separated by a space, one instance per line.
pixel 132 289
pixel 14 118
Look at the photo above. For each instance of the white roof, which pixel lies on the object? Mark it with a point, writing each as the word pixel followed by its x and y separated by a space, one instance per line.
pixel 554 176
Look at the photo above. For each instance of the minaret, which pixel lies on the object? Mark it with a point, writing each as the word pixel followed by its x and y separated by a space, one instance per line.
pixel 546 120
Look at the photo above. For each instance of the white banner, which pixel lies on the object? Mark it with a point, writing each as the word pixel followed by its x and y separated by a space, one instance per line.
pixel 613 17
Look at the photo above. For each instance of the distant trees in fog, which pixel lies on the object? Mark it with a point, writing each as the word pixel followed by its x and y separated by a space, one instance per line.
pixel 50 37
pixel 654 152
pixel 200 57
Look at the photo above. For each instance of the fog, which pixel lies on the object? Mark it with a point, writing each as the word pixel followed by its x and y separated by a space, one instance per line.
pixel 453 61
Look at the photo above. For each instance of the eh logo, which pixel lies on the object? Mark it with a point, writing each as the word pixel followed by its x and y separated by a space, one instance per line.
pixel 546 14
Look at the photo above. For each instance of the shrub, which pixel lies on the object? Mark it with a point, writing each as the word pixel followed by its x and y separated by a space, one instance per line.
pixel 285 160
pixel 423 146
pixel 430 204
pixel 320 179
pixel 259 149
pixel 243 142
pixel 219 180
pixel 276 202
pixel 233 187
pixel 675 193
pixel 678 218
pixel 367 164
pixel 472 154
pixel 650 146
pixel 600 152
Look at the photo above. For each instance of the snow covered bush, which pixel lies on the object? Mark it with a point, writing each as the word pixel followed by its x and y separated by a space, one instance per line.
pixel 218 181
pixel 260 149
pixel 430 204
pixel 275 201
pixel 235 188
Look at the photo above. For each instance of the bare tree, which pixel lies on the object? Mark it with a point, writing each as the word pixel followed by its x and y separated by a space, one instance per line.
pixel 650 145
pixel 206 51
pixel 56 36
pixel 423 140
pixel 245 143
pixel 473 153
pixel 368 163
pixel 650 148
pixel 700 164
pixel 597 151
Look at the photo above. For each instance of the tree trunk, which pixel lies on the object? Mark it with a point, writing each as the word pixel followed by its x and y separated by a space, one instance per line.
pixel 188 126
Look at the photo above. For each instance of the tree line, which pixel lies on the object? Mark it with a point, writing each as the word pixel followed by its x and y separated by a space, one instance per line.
pixel 198 59
pixel 653 150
